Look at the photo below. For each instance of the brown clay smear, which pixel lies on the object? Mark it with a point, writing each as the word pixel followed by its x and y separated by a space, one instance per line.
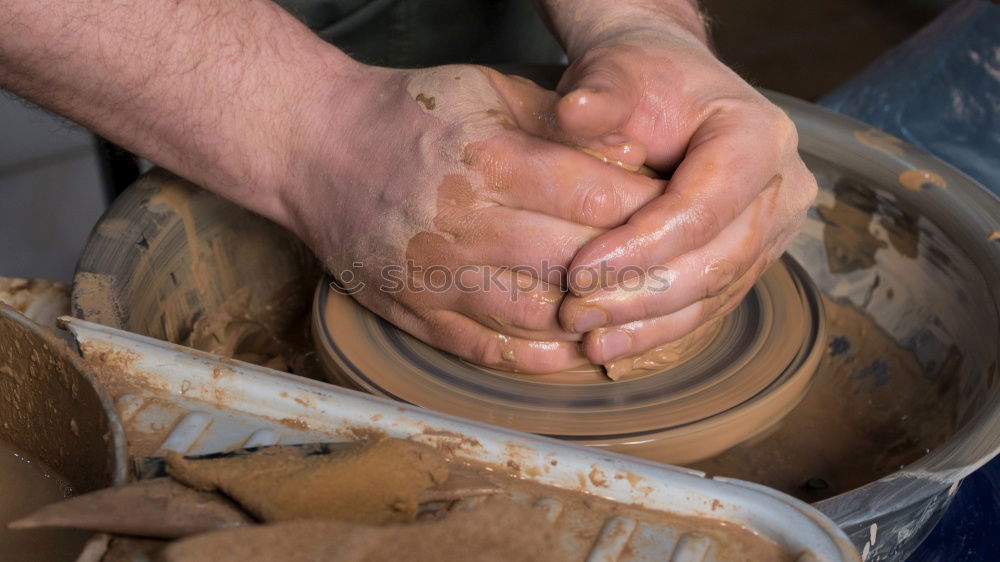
pixel 880 140
pixel 917 179
pixel 850 244
pixel 93 297
pixel 369 482
pixel 160 507
pixel 233 330
pixel 498 528
pixel 495 531
pixel 40 300
pixel 177 199
pixel 871 410
pixel 667 355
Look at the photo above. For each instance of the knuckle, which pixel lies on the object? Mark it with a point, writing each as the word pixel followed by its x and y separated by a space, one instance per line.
pixel 532 313
pixel 809 191
pixel 598 206
pixel 487 351
pixel 720 274
pixel 782 128
pixel 700 224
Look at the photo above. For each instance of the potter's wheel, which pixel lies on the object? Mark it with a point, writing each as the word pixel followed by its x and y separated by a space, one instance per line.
pixel 742 380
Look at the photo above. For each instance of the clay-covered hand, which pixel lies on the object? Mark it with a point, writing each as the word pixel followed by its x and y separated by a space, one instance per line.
pixel 439 200
pixel 737 194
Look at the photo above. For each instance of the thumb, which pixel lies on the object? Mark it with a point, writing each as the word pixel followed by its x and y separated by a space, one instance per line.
pixel 596 108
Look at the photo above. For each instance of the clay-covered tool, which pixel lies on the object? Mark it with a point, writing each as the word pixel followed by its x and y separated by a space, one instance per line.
pixel 462 481
pixel 158 508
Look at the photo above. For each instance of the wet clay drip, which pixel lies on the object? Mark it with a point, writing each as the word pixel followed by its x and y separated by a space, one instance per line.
pixel 372 483
pixel 666 356
pixel 25 485
pixel 871 411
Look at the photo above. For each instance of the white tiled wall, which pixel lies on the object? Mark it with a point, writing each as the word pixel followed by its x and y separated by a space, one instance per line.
pixel 51 192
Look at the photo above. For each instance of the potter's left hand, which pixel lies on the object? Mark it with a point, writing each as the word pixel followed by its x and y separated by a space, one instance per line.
pixel 737 194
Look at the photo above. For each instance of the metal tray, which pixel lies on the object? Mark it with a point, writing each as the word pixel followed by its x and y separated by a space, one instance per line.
pixel 173 398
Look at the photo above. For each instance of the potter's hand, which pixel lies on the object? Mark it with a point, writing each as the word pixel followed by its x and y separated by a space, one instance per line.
pixel 441 206
pixel 737 195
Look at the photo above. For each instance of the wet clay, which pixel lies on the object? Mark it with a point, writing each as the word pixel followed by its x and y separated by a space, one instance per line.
pixel 513 526
pixel 917 179
pixel 39 299
pixel 880 140
pixel 235 330
pixel 871 410
pixel 369 482
pixel 498 531
pixel 712 397
pixel 192 258
pixel 850 243
pixel 25 485
pixel 666 356
pixel 160 508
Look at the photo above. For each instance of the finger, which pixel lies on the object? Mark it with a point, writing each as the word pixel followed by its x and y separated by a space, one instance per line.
pixel 470 340
pixel 698 274
pixel 530 107
pixel 537 244
pixel 600 100
pixel 529 173
pixel 634 338
pixel 510 302
pixel 724 170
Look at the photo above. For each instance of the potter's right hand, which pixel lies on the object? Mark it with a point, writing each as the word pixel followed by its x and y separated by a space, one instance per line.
pixel 443 201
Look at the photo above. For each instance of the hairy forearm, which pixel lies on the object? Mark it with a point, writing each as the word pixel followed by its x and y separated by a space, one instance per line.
pixel 582 24
pixel 210 89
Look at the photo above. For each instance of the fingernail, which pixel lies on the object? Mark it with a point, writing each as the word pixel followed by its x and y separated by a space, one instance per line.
pixel 589 318
pixel 614 344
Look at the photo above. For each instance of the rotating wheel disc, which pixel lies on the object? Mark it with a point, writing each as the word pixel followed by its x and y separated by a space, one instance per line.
pixel 750 373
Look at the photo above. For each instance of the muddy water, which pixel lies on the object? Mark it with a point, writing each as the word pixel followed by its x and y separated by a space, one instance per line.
pixel 25 485
pixel 871 410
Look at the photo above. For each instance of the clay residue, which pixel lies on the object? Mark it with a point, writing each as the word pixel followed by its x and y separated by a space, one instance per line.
pixel 871 411
pixel 40 300
pixel 666 356
pixel 918 179
pixel 176 198
pixel 160 507
pixel 880 140
pixel 92 296
pixel 497 530
pixel 426 101
pixel 517 524
pixel 850 243
pixel 235 330
pixel 366 482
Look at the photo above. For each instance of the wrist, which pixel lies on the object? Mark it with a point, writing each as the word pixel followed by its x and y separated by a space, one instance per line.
pixel 679 20
pixel 328 146
pixel 304 114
